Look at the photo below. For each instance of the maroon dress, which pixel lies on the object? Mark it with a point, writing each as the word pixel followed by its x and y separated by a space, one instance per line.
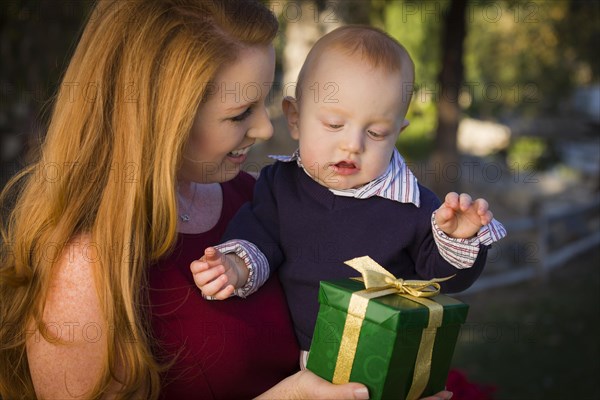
pixel 232 349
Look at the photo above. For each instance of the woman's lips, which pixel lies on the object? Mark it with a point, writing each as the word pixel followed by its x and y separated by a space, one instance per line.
pixel 237 159
pixel 238 156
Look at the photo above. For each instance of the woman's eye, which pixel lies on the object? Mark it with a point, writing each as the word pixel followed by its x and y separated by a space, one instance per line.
pixel 335 126
pixel 243 115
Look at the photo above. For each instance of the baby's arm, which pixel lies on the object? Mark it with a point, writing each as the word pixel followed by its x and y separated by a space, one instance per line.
pixel 252 235
pixel 217 275
pixel 235 267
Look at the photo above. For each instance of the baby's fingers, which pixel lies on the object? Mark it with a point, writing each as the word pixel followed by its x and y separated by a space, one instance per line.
pixel 482 206
pixel 443 215
pixel 203 274
pixel 486 217
pixel 211 287
pixel 483 211
pixel 223 294
pixel 451 200
pixel 198 266
pixel 465 201
pixel 213 256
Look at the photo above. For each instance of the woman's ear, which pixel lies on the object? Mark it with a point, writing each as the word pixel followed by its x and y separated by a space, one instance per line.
pixel 290 110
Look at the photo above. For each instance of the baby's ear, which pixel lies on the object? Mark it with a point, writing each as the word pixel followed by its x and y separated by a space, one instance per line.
pixel 405 123
pixel 290 110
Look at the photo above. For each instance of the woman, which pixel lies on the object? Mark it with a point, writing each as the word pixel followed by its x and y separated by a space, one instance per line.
pixel 140 164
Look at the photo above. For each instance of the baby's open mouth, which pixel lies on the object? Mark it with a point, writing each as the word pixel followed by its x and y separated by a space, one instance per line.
pixel 345 164
pixel 346 167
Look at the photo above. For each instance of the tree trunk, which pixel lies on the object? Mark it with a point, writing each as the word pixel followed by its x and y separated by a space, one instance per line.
pixel 445 159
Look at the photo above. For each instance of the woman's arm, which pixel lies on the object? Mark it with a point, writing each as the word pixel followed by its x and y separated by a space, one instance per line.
pixel 72 314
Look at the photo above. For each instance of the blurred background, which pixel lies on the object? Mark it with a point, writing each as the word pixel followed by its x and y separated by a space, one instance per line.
pixel 506 107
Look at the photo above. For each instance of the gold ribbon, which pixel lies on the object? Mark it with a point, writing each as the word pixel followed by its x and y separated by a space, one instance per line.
pixel 380 282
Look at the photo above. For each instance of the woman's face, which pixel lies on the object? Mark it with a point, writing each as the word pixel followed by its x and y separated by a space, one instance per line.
pixel 231 119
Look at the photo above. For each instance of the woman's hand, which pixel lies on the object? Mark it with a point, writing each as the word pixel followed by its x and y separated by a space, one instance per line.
pixel 443 395
pixel 306 385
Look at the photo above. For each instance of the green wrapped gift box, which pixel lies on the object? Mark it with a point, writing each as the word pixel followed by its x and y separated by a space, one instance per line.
pixel 389 338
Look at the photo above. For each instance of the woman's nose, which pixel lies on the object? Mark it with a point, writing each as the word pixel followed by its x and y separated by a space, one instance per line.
pixel 263 129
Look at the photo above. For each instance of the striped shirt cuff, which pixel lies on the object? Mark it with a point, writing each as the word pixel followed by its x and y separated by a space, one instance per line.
pixel 255 260
pixel 462 253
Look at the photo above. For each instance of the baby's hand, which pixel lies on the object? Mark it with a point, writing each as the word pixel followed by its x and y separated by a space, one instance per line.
pixel 216 274
pixel 460 217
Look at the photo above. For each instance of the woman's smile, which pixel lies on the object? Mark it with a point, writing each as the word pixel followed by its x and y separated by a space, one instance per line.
pixel 239 155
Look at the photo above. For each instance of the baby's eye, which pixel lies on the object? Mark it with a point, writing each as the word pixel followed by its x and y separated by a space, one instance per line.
pixel 333 125
pixel 376 135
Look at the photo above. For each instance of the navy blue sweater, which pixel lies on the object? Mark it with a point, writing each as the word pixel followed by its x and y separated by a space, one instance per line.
pixel 306 232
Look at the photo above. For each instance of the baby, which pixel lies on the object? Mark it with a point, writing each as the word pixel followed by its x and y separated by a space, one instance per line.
pixel 347 192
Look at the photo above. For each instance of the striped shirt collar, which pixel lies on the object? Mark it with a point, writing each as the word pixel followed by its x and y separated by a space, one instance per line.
pixel 397 183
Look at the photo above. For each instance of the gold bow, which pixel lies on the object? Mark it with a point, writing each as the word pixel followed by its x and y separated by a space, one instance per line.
pixel 377 278
pixel 379 282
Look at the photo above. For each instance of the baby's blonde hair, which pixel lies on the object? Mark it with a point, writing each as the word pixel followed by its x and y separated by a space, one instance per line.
pixel 113 147
pixel 375 47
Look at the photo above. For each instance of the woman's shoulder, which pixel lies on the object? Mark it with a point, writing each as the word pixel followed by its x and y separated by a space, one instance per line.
pixel 72 287
pixel 74 324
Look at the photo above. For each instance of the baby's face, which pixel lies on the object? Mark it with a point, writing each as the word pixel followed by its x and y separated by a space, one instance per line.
pixel 350 116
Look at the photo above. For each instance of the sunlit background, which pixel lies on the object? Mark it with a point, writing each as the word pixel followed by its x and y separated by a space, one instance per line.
pixel 519 84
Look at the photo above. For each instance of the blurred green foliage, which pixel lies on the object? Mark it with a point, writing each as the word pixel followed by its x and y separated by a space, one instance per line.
pixel 526 151
pixel 522 59
pixel 416 141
